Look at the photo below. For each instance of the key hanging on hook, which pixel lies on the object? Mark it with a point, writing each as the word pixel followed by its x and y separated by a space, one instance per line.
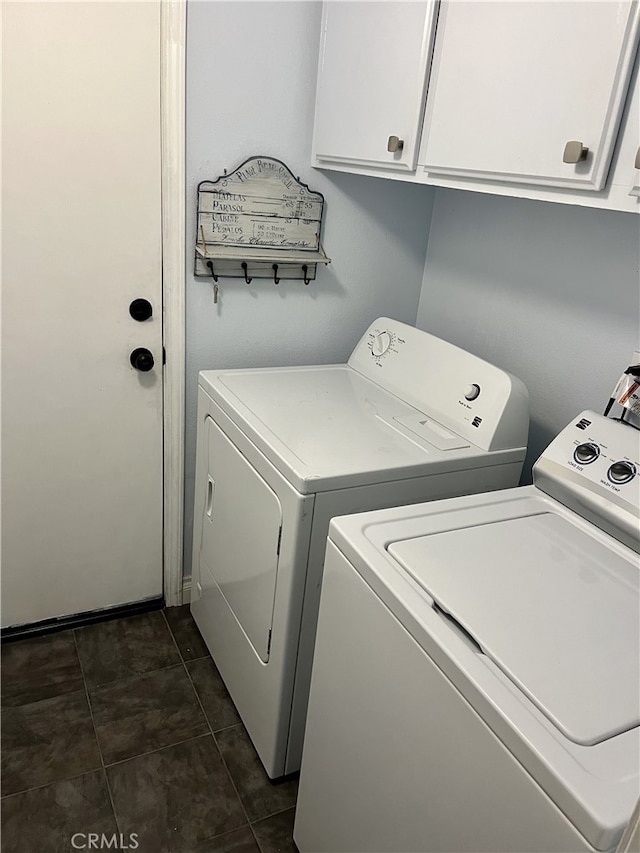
pixel 276 280
pixel 215 282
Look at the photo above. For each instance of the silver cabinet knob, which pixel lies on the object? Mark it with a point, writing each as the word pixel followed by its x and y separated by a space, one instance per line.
pixel 394 144
pixel 636 162
pixel 574 152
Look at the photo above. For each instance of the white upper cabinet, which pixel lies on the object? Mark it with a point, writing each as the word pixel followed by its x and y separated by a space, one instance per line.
pixel 628 167
pixel 528 92
pixel 635 189
pixel 372 79
pixel 623 184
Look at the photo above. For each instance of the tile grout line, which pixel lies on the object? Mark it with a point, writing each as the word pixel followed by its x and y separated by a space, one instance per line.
pixel 53 782
pixel 215 740
pixel 226 728
pixel 275 814
pixel 95 734
pixel 135 675
pixel 153 751
pixel 105 766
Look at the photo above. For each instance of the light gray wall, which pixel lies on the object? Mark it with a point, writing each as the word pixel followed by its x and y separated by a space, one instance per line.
pixel 251 76
pixel 549 292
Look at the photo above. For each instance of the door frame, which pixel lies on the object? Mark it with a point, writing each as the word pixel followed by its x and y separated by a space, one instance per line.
pixel 173 104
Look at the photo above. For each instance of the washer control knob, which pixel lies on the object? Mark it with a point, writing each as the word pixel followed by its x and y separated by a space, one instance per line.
pixel 472 392
pixel 586 453
pixel 381 344
pixel 621 472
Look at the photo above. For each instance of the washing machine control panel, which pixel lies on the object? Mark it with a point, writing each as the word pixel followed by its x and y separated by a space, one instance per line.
pixel 593 466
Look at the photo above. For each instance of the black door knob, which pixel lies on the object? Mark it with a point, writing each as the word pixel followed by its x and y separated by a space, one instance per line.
pixel 142 359
pixel 140 310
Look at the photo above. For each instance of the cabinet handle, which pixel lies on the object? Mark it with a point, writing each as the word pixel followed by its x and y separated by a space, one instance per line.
pixel 574 152
pixel 637 160
pixel 394 144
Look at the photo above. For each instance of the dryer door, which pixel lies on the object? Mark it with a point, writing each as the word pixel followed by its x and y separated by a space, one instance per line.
pixel 241 537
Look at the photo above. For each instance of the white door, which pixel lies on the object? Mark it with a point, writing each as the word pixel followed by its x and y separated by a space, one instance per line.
pixel 82 427
pixel 372 77
pixel 513 83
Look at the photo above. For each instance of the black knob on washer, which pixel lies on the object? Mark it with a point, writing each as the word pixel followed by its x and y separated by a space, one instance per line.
pixel 621 472
pixel 586 453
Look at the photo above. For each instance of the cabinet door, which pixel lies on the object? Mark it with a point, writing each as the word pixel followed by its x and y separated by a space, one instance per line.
pixel 513 83
pixel 372 77
pixel 625 170
pixel 635 189
pixel 629 162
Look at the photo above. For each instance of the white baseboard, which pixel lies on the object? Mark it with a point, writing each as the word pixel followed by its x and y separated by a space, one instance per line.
pixel 186 590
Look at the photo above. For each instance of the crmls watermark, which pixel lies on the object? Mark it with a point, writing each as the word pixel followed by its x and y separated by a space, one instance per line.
pixel 96 841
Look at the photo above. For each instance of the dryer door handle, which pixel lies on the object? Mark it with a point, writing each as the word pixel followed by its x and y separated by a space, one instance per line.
pixel 209 501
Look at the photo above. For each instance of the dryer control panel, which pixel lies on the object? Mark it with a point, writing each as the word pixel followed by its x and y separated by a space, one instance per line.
pixel 593 467
pixel 475 399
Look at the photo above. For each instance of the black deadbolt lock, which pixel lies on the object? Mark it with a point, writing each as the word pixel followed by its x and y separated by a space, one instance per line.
pixel 142 359
pixel 140 309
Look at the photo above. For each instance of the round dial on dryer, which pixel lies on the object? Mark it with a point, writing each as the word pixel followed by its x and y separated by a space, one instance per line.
pixel 380 344
pixel 621 472
pixel 586 453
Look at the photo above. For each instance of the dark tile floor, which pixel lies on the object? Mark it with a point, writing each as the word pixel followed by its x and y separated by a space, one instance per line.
pixel 126 727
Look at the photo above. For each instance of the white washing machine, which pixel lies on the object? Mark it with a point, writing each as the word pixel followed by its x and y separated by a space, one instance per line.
pixel 476 676
pixel 281 451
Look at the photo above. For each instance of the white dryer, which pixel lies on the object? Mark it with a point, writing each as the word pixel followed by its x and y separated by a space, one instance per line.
pixel 281 451
pixel 476 675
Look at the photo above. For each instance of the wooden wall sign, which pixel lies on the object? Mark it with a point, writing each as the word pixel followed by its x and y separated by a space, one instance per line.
pixel 257 218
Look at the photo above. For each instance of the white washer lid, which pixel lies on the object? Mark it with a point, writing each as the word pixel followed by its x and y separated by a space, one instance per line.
pixel 553 607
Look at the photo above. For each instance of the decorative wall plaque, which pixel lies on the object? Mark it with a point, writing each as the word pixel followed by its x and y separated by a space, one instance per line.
pixel 259 221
